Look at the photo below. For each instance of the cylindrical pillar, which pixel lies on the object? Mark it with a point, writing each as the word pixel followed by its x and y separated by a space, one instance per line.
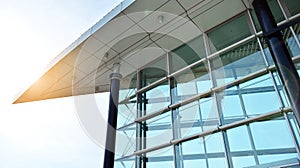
pixel 280 54
pixel 109 155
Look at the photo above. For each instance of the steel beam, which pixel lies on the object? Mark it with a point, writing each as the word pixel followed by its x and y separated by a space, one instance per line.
pixel 280 54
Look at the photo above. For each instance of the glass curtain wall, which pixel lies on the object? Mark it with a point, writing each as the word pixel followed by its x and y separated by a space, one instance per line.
pixel 227 109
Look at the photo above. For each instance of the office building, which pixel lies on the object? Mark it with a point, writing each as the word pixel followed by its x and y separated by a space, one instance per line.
pixel 199 85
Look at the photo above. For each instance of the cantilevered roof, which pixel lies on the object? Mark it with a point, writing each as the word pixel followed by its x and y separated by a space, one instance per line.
pixel 134 34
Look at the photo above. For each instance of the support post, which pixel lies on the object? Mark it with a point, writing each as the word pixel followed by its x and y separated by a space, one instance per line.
pixel 109 155
pixel 280 54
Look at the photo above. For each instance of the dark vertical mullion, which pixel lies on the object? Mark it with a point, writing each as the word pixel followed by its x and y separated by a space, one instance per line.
pixel 139 133
pixel 280 54
pixel 144 112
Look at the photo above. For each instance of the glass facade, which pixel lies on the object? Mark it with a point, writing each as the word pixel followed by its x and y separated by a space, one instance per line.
pixel 227 109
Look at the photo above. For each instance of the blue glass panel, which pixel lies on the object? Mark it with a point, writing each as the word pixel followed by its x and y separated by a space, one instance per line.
pixel 127 86
pixel 282 92
pixel 231 104
pixel 237 63
pixel 125 141
pixel 126 112
pixel 295 127
pixel 162 158
pixel 192 82
pixel 156 99
pixel 128 163
pixel 239 139
pixel 204 152
pixel 291 42
pixel 273 141
pixel 243 161
pixel 159 130
pixel 272 134
pixel 262 98
pixel 198 116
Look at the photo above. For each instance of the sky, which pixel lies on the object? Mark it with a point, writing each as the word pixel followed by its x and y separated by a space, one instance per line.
pixel 45 133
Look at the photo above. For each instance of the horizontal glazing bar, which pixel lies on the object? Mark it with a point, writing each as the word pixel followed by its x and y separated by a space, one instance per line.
pixel 233 125
pixel 218 155
pixel 262 117
pixel 202 95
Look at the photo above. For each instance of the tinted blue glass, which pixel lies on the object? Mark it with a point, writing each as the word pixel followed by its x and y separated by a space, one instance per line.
pixel 193 81
pixel 129 163
pixel 259 95
pixel 291 42
pixel 125 141
pixel 162 158
pixel 206 152
pixel 239 139
pixel 127 86
pixel 266 134
pixel 231 105
pixel 198 116
pixel 156 99
pixel 159 130
pixel 126 112
pixel 237 63
pixel 295 127
pixel 273 140
pixel 282 92
pixel 243 161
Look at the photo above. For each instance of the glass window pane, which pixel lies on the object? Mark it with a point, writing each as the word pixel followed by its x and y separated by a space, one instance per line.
pixel 239 139
pixel 243 161
pixel 273 140
pixel 259 95
pixel 231 105
pixel 187 54
pixel 282 92
pixel 284 158
pixel 163 158
pixel 192 82
pixel 198 116
pixel 229 33
pixel 276 11
pixel 126 112
pixel 155 99
pixel 267 51
pixel 272 134
pixel 296 29
pixel 295 127
pixel 159 130
pixel 127 86
pixel 154 71
pixel 297 65
pixel 125 141
pixel 237 63
pixel 205 152
pixel 291 43
pixel 293 6
pixel 126 163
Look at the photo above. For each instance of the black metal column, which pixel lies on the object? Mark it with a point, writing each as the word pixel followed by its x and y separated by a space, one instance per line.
pixel 280 54
pixel 109 155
